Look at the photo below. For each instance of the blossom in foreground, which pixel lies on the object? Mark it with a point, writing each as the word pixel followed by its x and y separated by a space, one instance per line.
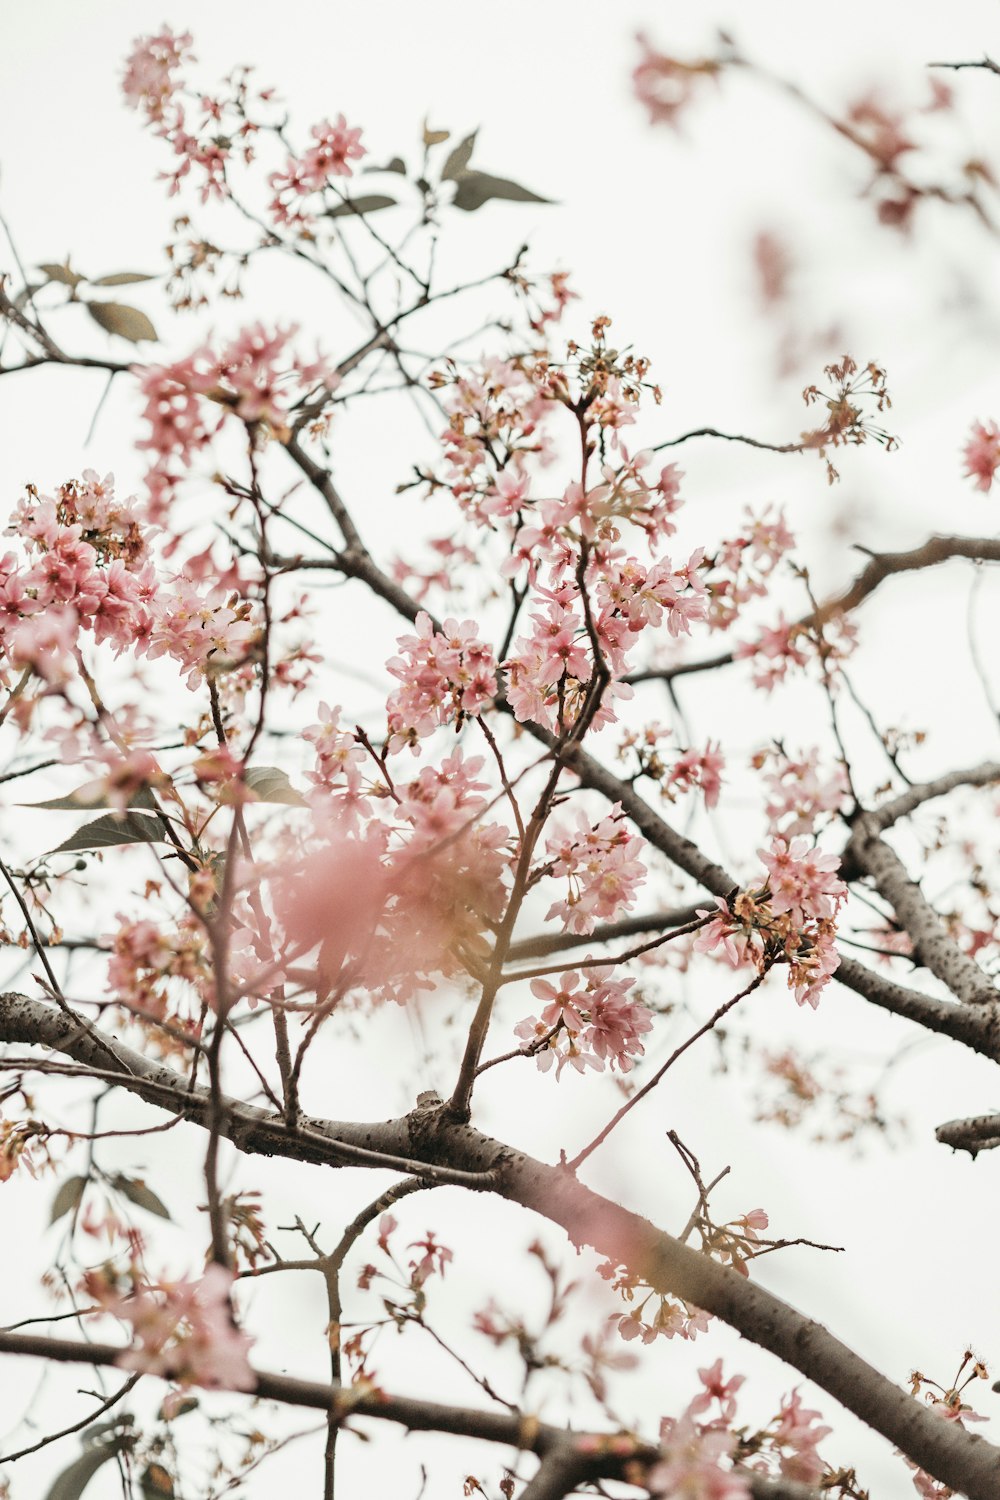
pixel 691 1466
pixel 982 454
pixel 184 1331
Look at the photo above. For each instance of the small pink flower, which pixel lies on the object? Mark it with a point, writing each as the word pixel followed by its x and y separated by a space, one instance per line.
pixel 982 454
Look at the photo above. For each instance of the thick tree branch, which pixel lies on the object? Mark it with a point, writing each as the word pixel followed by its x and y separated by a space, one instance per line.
pixel 979 1133
pixel 597 1454
pixel 890 812
pixel 933 946
pixel 567 1458
pixel 976 1027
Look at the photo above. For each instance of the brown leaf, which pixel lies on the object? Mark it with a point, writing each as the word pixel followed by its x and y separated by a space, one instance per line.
pixel 127 322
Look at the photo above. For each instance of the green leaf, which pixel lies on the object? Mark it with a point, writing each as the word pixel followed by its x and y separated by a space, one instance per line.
pixel 127 322
pixel 71 1483
pixel 136 1191
pixel 268 784
pixel 122 278
pixel 156 1483
pixel 365 205
pixel 477 188
pixel 78 802
pixel 62 274
pixel 396 164
pixel 67 1198
pixel 458 159
pixel 105 833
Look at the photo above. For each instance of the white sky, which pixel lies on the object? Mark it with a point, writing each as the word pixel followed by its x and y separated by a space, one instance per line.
pixel 656 232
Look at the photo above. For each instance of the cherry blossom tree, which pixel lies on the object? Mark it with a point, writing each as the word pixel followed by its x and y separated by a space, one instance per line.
pixel 507 866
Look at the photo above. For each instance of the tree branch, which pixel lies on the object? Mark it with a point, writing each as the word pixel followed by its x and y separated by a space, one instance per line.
pixel 936 549
pixel 960 1459
pixel 933 946
pixel 979 1133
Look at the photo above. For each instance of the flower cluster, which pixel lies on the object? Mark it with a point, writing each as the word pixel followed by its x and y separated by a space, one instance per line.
pixel 588 1021
pixel 145 958
pixel 674 773
pixel 789 644
pixel 601 864
pixel 335 146
pixel 698 768
pixel 339 757
pixel 666 85
pixel 791 919
pixel 798 792
pixel 948 1403
pixel 88 570
pixel 445 676
pixel 741 568
pixel 494 416
pixel 982 454
pixel 225 131
pixel 693 1446
pixel 388 906
pixel 671 1319
pixel 254 376
pixel 151 69
pixel 185 1330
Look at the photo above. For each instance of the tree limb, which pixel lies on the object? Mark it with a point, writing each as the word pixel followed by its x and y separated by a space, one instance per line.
pixel 960 1459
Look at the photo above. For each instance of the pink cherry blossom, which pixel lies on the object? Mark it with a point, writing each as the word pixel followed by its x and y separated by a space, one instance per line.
pixel 802 880
pixel 602 866
pixel 186 1332
pixel 444 675
pixel 717 1389
pixel 982 454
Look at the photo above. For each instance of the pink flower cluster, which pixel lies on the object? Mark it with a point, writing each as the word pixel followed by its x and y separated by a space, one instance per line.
pixel 185 1330
pixel 798 793
pixel 699 768
pixel 790 920
pixel 794 1438
pixel 389 906
pixel 742 566
pixel 88 569
pixel 339 757
pixel 587 1021
pixel 150 79
pixel 982 454
pixel 145 958
pixel 695 1449
pixel 336 145
pixel 445 676
pixel 601 864
pixel 666 85
pixel 787 644
pixel 226 129
pixel 494 414
pixel 695 1452
pixel 253 376
pixel 802 881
